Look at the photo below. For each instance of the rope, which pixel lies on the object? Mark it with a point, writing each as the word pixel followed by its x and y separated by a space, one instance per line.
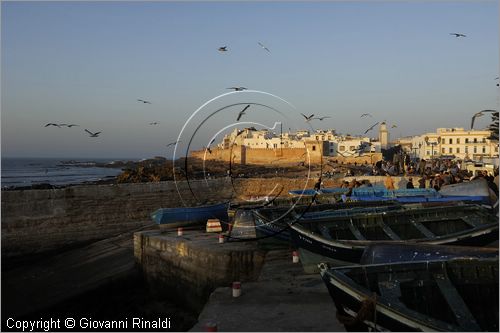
pixel 367 311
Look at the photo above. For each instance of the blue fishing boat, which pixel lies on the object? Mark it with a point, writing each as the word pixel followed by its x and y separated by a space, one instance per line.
pixel 458 294
pixel 341 240
pixel 473 191
pixel 274 221
pixel 181 216
pixel 384 253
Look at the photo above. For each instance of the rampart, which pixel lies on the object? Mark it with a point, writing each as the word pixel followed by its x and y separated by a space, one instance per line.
pixel 36 221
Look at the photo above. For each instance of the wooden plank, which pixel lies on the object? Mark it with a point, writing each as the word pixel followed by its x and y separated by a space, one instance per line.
pixel 389 231
pixel 355 231
pixel 325 232
pixel 464 317
pixel 426 232
pixel 473 221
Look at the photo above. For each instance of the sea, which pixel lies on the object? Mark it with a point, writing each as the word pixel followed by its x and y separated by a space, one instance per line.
pixel 20 172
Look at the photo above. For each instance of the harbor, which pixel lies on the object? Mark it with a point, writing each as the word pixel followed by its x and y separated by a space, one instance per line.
pixel 184 166
pixel 196 263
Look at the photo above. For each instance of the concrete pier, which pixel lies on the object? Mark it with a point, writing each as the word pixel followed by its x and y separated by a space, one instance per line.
pixel 276 294
pixel 188 268
pixel 283 299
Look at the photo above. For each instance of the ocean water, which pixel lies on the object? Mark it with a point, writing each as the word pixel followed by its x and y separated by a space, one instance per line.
pixel 31 171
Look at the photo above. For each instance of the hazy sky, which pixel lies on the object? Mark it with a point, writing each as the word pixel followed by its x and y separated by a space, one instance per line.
pixel 87 63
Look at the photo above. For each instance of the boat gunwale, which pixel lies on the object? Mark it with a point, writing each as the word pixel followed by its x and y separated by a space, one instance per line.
pixel 338 278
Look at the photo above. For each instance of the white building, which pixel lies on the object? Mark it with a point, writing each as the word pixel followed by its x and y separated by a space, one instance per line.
pixel 455 142
pixel 347 146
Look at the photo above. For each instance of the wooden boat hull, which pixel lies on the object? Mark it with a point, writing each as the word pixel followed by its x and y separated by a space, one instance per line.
pixel 190 215
pixel 278 228
pixel 473 191
pixel 345 240
pixel 383 253
pixel 449 295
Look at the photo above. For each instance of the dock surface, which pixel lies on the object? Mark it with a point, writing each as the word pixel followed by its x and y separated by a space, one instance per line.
pixel 283 299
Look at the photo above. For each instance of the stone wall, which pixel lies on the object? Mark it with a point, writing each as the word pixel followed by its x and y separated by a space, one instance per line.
pixel 35 221
pixel 189 268
pixel 247 155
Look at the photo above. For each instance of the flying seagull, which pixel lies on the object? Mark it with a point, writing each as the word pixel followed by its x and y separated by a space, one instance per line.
pixel 457 35
pixel 371 127
pixel 223 49
pixel 307 118
pixel 173 143
pixel 237 88
pixel 154 123
pixel 321 118
pixel 92 135
pixel 52 124
pixel 265 48
pixel 242 112
pixel 143 101
pixel 365 114
pixel 479 114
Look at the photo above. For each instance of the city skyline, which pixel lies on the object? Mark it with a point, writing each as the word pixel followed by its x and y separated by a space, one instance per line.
pixel 97 64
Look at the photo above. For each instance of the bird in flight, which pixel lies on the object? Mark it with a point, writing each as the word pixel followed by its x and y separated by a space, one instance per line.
pixel 154 123
pixel 479 114
pixel 52 124
pixel 173 143
pixel 365 114
pixel 143 101
pixel 457 35
pixel 308 119
pixel 321 118
pixel 265 48
pixel 223 49
pixel 368 130
pixel 237 88
pixel 242 112
pixel 92 135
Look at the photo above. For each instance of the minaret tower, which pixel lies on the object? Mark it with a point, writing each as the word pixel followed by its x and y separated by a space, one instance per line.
pixel 383 135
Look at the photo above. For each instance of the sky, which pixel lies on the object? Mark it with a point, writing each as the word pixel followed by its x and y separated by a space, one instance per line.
pixel 87 63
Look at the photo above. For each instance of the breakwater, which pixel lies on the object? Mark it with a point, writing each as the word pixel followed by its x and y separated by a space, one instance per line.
pixel 40 221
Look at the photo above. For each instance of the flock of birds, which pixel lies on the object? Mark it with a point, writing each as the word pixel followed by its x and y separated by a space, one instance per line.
pixel 320 118
pixel 243 111
pixel 95 134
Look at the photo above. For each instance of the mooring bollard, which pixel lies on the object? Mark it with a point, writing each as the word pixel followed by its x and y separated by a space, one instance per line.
pixel 211 326
pixel 236 289
pixel 295 257
pixel 221 239
pixel 179 231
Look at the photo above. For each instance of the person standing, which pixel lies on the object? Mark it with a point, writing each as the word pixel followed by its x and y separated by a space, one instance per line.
pixel 409 185
pixel 389 182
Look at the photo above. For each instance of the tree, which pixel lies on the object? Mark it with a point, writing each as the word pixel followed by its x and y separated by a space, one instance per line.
pixel 494 127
